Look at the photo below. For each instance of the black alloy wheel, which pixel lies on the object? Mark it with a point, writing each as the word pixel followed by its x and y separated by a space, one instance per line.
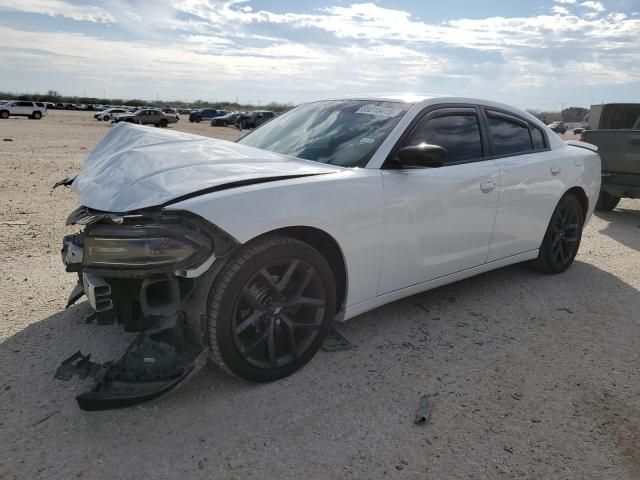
pixel 270 308
pixel 279 313
pixel 562 239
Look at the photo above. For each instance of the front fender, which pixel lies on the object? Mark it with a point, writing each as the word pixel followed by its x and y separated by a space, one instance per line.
pixel 347 205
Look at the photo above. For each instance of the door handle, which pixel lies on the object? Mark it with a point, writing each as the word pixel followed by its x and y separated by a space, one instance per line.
pixel 555 170
pixel 487 187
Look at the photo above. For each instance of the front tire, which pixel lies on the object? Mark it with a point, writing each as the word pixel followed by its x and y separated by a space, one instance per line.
pixel 4 114
pixel 270 309
pixel 607 202
pixel 562 238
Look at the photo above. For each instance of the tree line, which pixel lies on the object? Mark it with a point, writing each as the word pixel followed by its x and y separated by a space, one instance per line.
pixel 55 97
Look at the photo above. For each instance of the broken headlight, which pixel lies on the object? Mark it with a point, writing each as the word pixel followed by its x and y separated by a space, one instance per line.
pixel 164 242
pixel 136 252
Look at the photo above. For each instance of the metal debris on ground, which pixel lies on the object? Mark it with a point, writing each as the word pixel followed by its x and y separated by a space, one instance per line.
pixel 44 419
pixel 336 342
pixel 424 409
pixel 12 223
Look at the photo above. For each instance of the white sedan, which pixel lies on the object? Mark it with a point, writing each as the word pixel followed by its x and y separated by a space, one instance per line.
pixel 247 252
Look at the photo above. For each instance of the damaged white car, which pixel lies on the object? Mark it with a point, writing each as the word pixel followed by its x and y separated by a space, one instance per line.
pixel 246 252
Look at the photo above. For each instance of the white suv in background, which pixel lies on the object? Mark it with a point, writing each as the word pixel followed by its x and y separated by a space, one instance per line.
pixel 20 108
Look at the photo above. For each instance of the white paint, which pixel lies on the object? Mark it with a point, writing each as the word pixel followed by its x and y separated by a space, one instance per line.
pixel 400 232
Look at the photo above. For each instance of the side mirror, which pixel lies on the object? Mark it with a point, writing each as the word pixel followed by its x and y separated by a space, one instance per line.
pixel 423 155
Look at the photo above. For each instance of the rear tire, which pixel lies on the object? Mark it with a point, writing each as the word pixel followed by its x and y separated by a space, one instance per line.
pixel 164 123
pixel 36 115
pixel 607 202
pixel 270 309
pixel 562 238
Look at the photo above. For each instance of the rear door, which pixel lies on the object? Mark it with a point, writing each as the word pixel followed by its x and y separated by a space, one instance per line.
pixel 531 183
pixel 439 221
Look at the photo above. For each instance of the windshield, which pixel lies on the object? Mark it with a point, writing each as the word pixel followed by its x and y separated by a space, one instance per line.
pixel 337 132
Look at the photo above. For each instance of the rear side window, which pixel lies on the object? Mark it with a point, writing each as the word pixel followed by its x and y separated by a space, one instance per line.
pixel 509 137
pixel 459 134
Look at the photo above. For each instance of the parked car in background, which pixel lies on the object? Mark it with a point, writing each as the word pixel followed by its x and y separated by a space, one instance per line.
pixel 256 118
pixel 615 130
pixel 559 127
pixel 247 252
pixel 148 116
pixel 21 108
pixel 109 114
pixel 581 128
pixel 171 111
pixel 205 114
pixel 230 118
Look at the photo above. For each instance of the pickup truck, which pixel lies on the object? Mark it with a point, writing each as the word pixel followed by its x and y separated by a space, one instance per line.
pixel 20 108
pixel 616 133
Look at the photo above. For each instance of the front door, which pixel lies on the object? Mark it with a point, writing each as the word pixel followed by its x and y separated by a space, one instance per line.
pixel 439 221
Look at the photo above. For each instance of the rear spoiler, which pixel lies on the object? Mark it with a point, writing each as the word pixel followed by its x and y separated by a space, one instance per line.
pixel 585 145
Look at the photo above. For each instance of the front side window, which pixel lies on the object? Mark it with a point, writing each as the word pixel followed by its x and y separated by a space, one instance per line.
pixel 509 136
pixel 458 134
pixel 337 132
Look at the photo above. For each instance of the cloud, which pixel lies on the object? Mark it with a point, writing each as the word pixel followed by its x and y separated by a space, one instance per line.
pixel 59 8
pixel 597 6
pixel 197 46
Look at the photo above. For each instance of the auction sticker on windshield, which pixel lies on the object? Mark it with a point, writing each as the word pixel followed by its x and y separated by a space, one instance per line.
pixel 379 111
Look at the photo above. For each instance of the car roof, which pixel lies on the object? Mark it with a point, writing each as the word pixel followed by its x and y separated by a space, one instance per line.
pixel 421 101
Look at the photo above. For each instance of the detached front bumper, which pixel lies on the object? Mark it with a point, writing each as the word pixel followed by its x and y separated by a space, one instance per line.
pixel 165 301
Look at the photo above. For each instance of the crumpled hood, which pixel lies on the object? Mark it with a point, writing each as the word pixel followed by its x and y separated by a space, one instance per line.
pixel 135 167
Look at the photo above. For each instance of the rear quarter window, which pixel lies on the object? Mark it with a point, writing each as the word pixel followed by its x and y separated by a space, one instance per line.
pixel 538 139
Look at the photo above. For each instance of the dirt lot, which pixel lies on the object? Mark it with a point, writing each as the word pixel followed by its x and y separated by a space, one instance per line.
pixel 536 376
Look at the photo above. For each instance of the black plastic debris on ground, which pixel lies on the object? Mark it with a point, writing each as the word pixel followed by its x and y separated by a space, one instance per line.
pixel 336 342
pixel 424 409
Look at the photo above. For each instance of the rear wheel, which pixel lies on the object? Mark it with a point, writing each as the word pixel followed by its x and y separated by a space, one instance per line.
pixel 607 202
pixel 164 123
pixel 36 115
pixel 562 239
pixel 270 309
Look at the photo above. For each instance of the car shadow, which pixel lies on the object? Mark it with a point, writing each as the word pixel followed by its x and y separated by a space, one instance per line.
pixel 421 343
pixel 624 226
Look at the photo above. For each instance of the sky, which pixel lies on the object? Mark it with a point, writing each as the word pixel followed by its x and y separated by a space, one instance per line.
pixel 535 54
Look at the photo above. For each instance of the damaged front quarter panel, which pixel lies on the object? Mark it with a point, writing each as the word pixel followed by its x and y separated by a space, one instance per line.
pixel 150 271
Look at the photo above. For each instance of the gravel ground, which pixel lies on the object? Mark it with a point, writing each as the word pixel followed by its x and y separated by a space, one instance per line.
pixel 536 376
